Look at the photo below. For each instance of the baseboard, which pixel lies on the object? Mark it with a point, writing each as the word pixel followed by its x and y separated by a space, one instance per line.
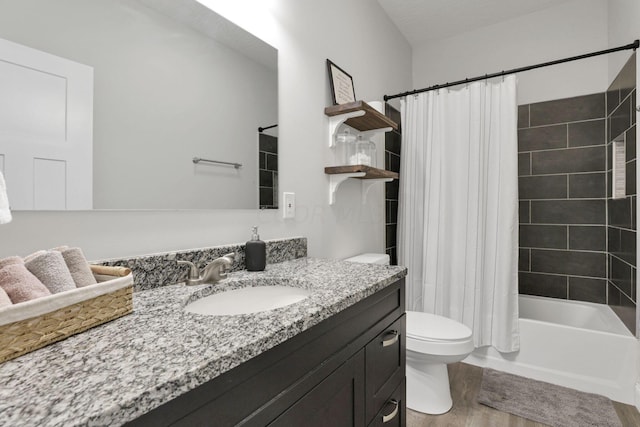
pixel 638 396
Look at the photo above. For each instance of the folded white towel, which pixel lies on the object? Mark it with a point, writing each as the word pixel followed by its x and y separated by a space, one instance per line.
pixel 5 212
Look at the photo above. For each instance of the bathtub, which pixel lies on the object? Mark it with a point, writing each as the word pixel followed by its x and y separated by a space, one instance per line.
pixel 580 345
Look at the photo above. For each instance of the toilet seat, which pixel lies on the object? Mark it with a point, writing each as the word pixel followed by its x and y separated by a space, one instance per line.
pixel 437 335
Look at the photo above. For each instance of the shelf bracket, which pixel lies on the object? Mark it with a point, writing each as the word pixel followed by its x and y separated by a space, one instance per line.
pixel 336 180
pixel 368 183
pixel 336 121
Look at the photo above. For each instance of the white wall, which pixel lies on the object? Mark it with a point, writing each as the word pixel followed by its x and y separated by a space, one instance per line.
pixel 359 38
pixel 164 93
pixel 623 28
pixel 566 30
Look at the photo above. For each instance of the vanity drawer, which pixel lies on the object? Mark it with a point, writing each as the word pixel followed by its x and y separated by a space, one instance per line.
pixel 385 366
pixel 394 410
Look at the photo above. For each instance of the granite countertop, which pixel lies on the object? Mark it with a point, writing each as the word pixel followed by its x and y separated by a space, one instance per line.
pixel 118 371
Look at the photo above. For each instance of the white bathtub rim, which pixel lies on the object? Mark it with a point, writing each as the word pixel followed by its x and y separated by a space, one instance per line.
pixel 602 308
pixel 625 334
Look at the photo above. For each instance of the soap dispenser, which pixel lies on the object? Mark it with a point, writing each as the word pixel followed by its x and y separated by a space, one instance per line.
pixel 255 253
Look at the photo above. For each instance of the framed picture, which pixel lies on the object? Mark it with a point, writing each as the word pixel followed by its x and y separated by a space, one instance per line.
pixel 341 83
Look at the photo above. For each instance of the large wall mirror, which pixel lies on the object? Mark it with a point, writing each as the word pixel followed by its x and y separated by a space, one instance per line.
pixel 104 104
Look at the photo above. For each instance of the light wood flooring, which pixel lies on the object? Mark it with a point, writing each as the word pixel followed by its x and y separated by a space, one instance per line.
pixel 467 412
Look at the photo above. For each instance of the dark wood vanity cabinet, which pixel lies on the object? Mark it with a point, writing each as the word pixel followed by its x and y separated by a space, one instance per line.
pixel 348 370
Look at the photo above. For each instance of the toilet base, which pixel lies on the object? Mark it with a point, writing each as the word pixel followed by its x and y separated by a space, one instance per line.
pixel 428 389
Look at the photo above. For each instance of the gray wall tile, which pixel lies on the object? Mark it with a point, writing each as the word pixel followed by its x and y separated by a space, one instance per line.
pixel 591 290
pixel 543 236
pixel 630 178
pixel 573 263
pixel 568 212
pixel 633 110
pixel 544 285
pixel 614 240
pixel 621 119
pixel 587 186
pixel 588 238
pixel 621 275
pixel 542 187
pixel 613 97
pixel 587 133
pixel 619 211
pixel 630 143
pixel 542 138
pixel 266 178
pixel 523 212
pixel 587 159
pixel 268 143
pixel 627 77
pixel 524 164
pixel 568 110
pixel 523 116
pixel 627 249
pixel 523 260
pixel 392 142
pixel 633 212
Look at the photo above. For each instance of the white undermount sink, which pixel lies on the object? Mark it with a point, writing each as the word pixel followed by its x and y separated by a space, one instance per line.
pixel 247 300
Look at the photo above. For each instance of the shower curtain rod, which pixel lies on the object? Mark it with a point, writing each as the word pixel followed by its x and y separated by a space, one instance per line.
pixel 262 129
pixel 633 46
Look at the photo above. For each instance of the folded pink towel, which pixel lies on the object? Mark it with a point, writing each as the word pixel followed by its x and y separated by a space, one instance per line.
pixel 4 299
pixel 49 267
pixel 79 267
pixel 10 260
pixel 18 282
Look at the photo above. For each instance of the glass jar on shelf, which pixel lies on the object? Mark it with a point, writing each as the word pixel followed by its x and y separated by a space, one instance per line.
pixel 363 152
pixel 345 145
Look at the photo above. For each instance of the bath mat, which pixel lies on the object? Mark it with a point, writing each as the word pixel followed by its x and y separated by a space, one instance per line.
pixel 545 403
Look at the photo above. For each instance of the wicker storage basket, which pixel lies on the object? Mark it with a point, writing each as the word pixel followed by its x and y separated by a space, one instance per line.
pixel 31 325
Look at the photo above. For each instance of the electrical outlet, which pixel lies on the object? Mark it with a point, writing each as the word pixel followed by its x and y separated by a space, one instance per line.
pixel 289 200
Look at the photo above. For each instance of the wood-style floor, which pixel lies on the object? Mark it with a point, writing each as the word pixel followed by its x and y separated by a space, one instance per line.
pixel 467 412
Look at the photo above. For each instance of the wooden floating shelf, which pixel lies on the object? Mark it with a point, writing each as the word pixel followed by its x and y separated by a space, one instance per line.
pixel 370 120
pixel 369 172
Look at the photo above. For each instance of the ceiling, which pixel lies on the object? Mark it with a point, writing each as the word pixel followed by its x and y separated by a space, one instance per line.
pixel 424 20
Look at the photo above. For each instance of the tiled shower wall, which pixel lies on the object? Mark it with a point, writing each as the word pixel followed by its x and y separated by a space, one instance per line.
pixel 576 242
pixel 268 172
pixel 562 191
pixel 621 225
pixel 392 163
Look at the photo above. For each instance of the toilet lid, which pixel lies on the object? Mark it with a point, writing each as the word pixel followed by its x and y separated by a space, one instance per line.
pixel 431 327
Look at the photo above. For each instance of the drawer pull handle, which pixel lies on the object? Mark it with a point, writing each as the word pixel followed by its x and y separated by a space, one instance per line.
pixel 390 341
pixel 392 415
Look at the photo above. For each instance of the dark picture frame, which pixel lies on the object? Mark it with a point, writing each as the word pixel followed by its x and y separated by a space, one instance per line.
pixel 341 82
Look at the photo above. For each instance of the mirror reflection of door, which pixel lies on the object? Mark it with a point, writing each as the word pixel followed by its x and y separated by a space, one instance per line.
pixel 46 113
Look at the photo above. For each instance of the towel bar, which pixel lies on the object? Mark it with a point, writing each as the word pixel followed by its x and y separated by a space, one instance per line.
pixel 197 160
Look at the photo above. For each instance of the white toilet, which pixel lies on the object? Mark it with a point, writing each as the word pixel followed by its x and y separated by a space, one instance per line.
pixel 432 342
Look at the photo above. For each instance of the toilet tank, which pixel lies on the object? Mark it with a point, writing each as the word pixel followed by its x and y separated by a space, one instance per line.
pixel 370 259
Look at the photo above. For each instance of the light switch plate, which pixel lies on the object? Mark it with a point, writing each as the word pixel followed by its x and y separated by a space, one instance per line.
pixel 289 208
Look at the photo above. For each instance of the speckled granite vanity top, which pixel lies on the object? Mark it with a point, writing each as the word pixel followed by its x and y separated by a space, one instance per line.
pixel 118 371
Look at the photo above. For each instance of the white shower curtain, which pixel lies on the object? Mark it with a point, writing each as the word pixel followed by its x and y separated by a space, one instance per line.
pixel 458 208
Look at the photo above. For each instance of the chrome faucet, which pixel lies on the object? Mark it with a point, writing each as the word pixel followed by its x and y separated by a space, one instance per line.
pixel 214 272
